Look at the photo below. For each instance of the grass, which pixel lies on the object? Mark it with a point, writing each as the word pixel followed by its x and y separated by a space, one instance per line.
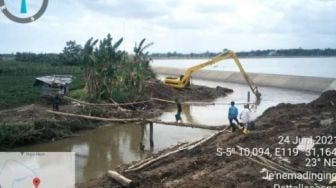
pixel 78 93
pixel 17 90
pixel 17 79
pixel 13 68
pixel 9 134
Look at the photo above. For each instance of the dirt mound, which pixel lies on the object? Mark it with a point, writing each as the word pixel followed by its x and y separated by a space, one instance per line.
pixel 156 89
pixel 327 99
pixel 201 167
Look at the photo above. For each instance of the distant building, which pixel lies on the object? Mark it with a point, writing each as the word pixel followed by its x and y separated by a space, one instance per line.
pixel 52 85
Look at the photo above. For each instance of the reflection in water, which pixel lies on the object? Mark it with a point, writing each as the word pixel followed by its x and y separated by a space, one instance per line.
pixel 186 109
pixel 107 147
pixel 99 150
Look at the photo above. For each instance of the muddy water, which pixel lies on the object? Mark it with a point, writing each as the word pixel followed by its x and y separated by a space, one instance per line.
pixel 107 147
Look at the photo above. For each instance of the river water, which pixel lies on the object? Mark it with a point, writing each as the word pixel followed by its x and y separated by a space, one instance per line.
pixel 301 66
pixel 107 147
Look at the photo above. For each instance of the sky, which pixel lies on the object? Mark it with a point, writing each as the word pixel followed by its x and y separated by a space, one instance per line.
pixel 174 25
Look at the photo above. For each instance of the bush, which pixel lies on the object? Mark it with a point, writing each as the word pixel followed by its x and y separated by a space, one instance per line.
pixel 10 134
pixel 78 93
pixel 38 58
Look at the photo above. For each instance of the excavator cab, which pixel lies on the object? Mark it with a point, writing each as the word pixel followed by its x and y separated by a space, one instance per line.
pixel 177 82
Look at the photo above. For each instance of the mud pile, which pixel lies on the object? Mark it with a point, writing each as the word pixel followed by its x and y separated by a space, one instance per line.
pixel 201 167
pixel 155 88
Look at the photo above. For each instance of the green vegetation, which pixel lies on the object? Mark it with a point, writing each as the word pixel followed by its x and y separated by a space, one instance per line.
pixel 19 134
pixel 69 56
pixel 17 79
pixel 71 53
pixel 10 134
pixel 17 68
pixel 37 58
pixel 101 70
pixel 17 90
pixel 114 75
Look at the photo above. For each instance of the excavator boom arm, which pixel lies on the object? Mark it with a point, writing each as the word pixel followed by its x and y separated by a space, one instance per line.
pixel 216 59
pixel 227 54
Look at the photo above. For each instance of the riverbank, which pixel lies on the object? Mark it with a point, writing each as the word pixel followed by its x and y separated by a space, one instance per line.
pixel 303 83
pixel 33 124
pixel 201 166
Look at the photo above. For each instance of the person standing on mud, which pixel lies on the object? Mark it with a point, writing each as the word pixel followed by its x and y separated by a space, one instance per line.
pixel 245 117
pixel 233 114
pixel 56 102
pixel 179 111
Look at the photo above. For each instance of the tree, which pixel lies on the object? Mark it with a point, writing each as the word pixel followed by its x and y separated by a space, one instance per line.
pixel 112 74
pixel 71 53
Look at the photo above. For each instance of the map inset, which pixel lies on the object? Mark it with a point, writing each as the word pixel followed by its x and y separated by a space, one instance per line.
pixel 37 169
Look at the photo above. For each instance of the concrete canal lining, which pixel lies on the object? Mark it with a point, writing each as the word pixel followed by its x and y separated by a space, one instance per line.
pixel 304 83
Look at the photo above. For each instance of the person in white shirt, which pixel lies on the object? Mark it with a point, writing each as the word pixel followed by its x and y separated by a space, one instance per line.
pixel 245 117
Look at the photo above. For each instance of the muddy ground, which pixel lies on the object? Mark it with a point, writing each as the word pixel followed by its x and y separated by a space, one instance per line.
pixel 32 124
pixel 201 167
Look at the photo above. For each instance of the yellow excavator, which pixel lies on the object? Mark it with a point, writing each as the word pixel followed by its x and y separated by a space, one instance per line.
pixel 184 80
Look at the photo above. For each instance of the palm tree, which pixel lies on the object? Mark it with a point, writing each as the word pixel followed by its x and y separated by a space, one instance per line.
pixel 23 7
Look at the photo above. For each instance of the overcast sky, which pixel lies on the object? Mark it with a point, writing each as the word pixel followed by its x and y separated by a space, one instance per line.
pixel 175 25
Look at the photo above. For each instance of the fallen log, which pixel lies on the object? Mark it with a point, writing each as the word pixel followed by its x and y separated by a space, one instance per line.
pixel 155 159
pixel 164 100
pixel 206 139
pixel 106 104
pixel 185 147
pixel 151 100
pixel 95 118
pixel 139 163
pixel 120 178
pixel 192 125
pixel 200 103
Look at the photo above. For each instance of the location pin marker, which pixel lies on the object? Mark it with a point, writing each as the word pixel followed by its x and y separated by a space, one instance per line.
pixel 36 182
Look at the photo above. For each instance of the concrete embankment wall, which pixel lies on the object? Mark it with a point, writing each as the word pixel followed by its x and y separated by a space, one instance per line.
pixel 305 83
